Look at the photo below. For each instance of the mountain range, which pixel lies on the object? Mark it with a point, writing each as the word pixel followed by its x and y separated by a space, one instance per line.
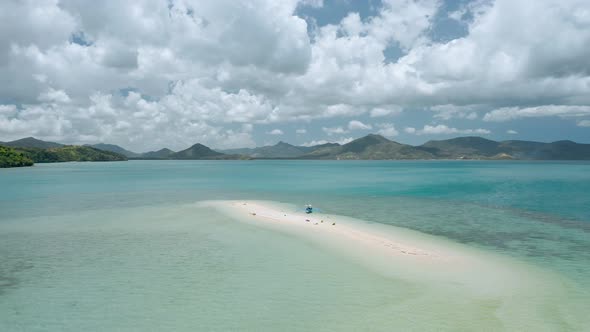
pixel 481 148
pixel 370 147
pixel 196 152
pixel 475 148
pixel 201 152
pixel 278 151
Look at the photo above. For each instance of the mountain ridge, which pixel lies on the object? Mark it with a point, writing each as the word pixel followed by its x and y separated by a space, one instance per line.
pixel 164 153
pixel 369 147
pixel 197 151
pixel 32 142
pixel 114 148
pixel 281 150
pixel 474 147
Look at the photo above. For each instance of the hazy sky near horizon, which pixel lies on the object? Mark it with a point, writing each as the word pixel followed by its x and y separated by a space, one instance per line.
pixel 169 73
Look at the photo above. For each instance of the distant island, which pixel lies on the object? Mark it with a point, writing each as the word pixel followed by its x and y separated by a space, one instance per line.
pixel 26 151
pixel 29 150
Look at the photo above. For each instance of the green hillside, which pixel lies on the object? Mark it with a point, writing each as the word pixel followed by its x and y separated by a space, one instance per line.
pixel 114 148
pixel 9 157
pixel 70 153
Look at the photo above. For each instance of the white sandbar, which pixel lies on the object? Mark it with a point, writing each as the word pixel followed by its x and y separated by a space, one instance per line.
pixel 518 289
pixel 390 249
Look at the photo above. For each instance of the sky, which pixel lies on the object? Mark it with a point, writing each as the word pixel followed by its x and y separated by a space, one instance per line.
pixel 170 73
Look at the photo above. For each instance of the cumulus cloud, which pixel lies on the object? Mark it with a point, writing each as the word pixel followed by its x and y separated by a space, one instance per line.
pixel 148 41
pixel 275 132
pixel 57 96
pixel 410 130
pixel 583 123
pixel 404 22
pixel 150 73
pixel 357 125
pixel 301 131
pixel 470 10
pixel 381 111
pixel 341 141
pixel 512 113
pixel 247 127
pixel 449 111
pixel 7 111
pixel 387 130
pixel 511 132
pixel 313 3
pixel 132 119
pixel 334 130
pixel 445 130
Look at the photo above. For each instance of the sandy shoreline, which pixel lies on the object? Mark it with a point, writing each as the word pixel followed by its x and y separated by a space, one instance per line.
pixel 328 225
pixel 391 250
pixel 405 255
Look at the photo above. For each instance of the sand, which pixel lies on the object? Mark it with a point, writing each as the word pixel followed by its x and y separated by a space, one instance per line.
pixel 455 271
pixel 391 250
pixel 328 226
pixel 394 251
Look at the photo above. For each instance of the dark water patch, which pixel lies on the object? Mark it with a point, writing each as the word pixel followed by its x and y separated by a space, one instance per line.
pixel 561 243
pixel 12 263
pixel 562 221
pixel 7 283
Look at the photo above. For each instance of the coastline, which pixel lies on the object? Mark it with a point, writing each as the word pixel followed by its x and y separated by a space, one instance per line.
pixel 516 288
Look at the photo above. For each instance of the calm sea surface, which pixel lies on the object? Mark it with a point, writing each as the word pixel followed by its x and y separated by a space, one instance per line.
pixel 120 246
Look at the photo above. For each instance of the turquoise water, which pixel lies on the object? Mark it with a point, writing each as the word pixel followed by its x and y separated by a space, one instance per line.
pixel 120 246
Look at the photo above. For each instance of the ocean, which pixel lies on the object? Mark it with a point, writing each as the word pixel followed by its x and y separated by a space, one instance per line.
pixel 123 246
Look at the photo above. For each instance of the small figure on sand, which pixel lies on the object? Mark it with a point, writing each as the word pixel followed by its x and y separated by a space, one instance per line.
pixel 308 209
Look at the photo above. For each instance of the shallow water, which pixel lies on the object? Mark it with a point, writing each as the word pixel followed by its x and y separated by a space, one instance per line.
pixel 120 246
